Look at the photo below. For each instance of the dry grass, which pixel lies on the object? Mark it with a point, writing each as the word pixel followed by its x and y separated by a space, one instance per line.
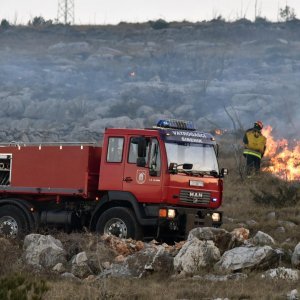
pixel 253 287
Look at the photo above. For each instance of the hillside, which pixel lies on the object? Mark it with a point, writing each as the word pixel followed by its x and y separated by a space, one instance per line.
pixel 69 83
pixel 62 83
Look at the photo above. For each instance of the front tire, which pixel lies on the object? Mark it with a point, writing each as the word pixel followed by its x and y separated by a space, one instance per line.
pixel 13 222
pixel 121 222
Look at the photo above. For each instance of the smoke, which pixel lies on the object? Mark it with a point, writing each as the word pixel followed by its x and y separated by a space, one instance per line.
pixel 59 83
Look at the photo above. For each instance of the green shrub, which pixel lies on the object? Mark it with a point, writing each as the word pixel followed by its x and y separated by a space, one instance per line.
pixel 39 21
pixel 159 24
pixel 287 13
pixel 261 20
pixel 4 24
pixel 284 194
pixel 18 287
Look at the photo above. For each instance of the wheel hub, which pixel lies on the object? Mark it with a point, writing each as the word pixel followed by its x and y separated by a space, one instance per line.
pixel 8 226
pixel 116 227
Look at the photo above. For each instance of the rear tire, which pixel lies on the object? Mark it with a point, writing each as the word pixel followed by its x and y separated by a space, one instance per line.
pixel 13 222
pixel 121 222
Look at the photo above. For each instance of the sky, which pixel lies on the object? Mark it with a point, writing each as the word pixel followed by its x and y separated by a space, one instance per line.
pixel 115 11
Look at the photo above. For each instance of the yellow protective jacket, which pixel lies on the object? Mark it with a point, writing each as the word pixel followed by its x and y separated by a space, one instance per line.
pixel 255 143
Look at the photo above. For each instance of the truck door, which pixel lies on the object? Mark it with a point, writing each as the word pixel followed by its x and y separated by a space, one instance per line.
pixel 145 183
pixel 112 164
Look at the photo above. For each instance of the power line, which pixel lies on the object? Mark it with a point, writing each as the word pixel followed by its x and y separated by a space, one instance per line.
pixel 65 11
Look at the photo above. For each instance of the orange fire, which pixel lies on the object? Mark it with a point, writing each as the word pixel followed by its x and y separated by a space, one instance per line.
pixel 284 156
pixel 219 131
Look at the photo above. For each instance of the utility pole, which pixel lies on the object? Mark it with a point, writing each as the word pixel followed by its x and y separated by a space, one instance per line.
pixel 65 11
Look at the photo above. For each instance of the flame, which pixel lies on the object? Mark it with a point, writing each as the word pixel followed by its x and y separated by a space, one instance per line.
pixel 218 131
pixel 284 157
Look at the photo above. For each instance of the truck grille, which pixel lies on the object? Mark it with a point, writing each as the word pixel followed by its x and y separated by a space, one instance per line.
pixel 194 197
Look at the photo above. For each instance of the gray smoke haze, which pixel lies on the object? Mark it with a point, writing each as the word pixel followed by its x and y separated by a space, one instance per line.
pixel 69 83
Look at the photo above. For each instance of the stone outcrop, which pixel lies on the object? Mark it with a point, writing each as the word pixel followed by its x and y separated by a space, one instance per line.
pixel 262 239
pixel 80 267
pixel 206 250
pixel 296 256
pixel 282 273
pixel 43 251
pixel 223 239
pixel 241 258
pixel 196 255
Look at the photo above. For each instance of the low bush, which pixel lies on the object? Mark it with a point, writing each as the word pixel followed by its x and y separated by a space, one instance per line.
pixel 18 287
pixel 159 24
pixel 4 24
pixel 283 194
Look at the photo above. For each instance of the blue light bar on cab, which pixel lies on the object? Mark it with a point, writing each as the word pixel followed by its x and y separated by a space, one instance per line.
pixel 176 124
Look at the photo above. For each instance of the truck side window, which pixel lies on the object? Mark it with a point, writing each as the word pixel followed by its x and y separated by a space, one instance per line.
pixel 155 161
pixel 115 149
pixel 133 151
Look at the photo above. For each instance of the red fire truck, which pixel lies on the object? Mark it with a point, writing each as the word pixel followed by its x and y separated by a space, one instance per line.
pixel 141 183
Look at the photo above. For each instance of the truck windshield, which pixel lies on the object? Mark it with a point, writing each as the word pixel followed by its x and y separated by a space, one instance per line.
pixel 202 156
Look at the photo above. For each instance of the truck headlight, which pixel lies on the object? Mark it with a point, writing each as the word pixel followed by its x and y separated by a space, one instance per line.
pixel 167 213
pixel 216 217
pixel 171 213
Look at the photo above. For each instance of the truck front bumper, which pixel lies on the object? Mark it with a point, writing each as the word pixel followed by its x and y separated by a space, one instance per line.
pixel 188 218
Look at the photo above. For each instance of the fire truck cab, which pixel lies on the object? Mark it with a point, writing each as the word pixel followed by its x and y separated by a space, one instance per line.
pixel 168 174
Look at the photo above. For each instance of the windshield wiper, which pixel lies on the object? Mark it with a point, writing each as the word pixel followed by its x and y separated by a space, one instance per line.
pixel 213 173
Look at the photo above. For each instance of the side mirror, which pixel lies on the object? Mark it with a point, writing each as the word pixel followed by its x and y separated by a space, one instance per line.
pixel 187 166
pixel 224 172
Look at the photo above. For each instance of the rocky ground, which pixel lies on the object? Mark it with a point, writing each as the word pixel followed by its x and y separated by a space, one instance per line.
pixel 211 257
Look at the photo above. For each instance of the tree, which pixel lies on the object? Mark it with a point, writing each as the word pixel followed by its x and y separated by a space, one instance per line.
pixel 159 24
pixel 39 21
pixel 4 24
pixel 287 13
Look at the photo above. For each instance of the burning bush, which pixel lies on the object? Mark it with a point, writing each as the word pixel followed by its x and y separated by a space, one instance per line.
pixel 284 157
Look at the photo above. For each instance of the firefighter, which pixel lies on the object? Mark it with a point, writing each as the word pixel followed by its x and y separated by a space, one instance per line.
pixel 255 147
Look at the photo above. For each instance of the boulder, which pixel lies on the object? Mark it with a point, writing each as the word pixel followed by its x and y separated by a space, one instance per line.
pixel 142 263
pixel 296 256
pixel 59 268
pixel 282 273
pixel 80 267
pixel 43 251
pixel 195 255
pixel 150 261
pixel 287 224
pixel 292 295
pixel 262 239
pixel 248 258
pixel 221 238
pixel 240 234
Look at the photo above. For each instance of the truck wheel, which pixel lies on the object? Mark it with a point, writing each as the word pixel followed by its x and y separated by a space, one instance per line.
pixel 121 222
pixel 13 222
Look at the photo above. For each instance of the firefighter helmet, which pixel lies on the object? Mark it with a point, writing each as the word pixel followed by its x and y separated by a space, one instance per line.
pixel 259 124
